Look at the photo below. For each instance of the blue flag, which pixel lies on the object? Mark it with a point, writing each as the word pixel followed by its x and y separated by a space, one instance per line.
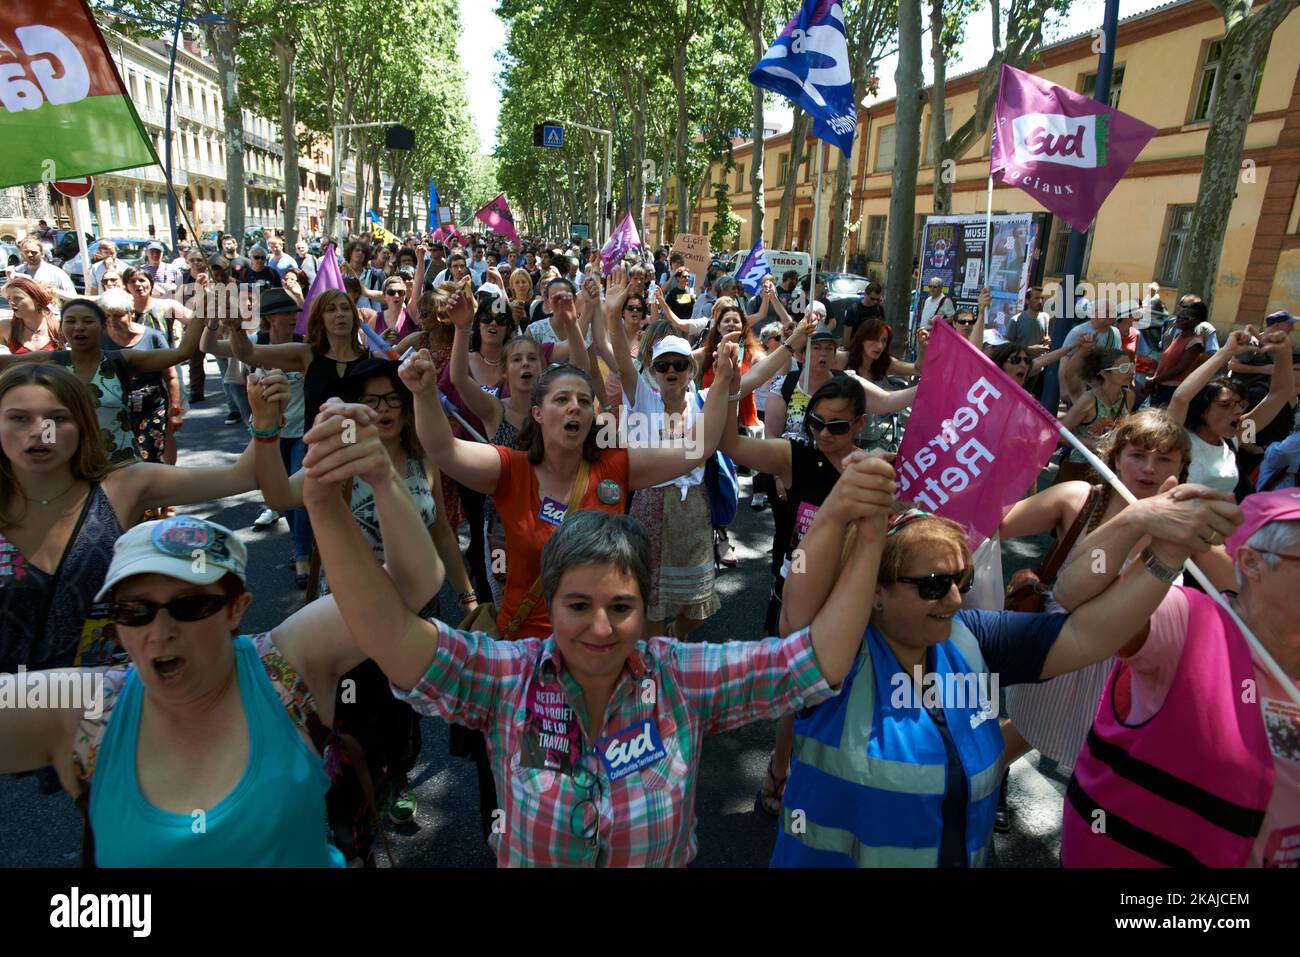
pixel 433 206
pixel 809 64
pixel 753 269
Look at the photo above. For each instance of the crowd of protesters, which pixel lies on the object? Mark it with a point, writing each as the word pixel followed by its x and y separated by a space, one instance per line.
pixel 584 425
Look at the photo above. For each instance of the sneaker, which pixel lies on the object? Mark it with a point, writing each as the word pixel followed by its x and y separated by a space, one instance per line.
pixel 403 807
pixel 233 417
pixel 268 517
pixel 758 502
pixel 1002 816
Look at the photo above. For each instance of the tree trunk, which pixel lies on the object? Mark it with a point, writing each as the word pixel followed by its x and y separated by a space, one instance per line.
pixel 377 184
pixel 1244 46
pixel 636 202
pixel 798 143
pixel 907 152
pixel 941 190
pixel 660 224
pixel 841 210
pixel 286 50
pixel 359 166
pixel 222 39
pixel 679 82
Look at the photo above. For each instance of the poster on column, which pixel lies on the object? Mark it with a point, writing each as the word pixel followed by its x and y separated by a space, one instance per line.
pixel 952 248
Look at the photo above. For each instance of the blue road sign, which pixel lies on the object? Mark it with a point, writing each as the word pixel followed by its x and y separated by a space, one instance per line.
pixel 553 136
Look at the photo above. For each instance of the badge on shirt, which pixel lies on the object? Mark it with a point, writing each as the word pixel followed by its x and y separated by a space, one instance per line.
pixel 628 751
pixel 1282 721
pixel 609 492
pixel 552 511
pixel 552 739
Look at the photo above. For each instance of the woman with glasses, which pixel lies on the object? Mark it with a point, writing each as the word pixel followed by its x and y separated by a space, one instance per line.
pixel 594 734
pixel 152 393
pixel 63 504
pixel 1108 398
pixel 1018 364
pixel 395 321
pixel 901 769
pixel 209 748
pixel 32 326
pixel 808 472
pixel 560 457
pixel 1213 407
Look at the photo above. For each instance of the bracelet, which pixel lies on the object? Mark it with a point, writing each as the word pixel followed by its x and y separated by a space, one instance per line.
pixel 267 433
pixel 734 397
pixel 267 438
pixel 466 597
pixel 1157 567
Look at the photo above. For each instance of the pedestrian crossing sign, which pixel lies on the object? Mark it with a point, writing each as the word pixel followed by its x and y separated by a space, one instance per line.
pixel 553 136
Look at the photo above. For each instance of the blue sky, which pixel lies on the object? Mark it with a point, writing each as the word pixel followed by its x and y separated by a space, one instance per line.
pixel 484 34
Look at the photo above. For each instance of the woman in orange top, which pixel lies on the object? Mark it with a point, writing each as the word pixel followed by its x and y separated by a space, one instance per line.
pixel 33 327
pixel 531 484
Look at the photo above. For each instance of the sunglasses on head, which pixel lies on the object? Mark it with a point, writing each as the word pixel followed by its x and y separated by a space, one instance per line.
pixel 1123 367
pixel 835 427
pixel 137 612
pixel 675 365
pixel 935 587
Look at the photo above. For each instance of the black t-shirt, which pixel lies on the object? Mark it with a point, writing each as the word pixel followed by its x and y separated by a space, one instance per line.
pixel 858 313
pixel 265 275
pixel 812 476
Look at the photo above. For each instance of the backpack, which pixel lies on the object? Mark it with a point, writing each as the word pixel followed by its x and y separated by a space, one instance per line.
pixel 720 485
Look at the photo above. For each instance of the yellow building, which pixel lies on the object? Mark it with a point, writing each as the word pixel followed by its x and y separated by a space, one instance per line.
pixel 1164 66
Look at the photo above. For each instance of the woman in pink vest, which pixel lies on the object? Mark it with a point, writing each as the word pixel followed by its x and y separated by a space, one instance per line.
pixel 1194 755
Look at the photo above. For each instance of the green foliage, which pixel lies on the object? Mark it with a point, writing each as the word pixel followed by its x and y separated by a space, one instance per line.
pixel 727 226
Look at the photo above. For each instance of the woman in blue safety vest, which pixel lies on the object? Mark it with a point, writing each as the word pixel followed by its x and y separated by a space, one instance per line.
pixel 902 768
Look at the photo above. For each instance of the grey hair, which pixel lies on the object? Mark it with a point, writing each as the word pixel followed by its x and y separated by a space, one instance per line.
pixel 116 300
pixel 817 307
pixel 1271 538
pixel 592 537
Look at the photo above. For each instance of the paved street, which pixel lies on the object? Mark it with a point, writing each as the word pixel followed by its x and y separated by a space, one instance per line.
pixel 44 831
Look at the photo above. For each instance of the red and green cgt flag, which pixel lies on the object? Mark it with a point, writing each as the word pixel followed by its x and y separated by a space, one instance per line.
pixel 63 110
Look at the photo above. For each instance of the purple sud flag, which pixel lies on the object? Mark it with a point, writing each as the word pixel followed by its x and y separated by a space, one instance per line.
pixel 1062 148
pixel 497 216
pixel 753 269
pixel 808 63
pixel 622 240
pixel 327 277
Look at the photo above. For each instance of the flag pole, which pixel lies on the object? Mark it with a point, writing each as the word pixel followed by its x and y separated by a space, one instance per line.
pixel 988 234
pixel 812 249
pixel 1190 567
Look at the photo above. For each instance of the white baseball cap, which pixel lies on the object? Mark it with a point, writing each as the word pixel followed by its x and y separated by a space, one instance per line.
pixel 671 345
pixel 184 547
pixel 992 337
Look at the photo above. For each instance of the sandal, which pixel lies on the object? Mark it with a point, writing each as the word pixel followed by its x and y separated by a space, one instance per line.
pixel 768 800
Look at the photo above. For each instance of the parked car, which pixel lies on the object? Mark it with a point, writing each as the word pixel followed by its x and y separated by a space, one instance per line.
pixel 843 289
pixel 130 252
pixel 256 236
pixel 10 253
pixel 65 245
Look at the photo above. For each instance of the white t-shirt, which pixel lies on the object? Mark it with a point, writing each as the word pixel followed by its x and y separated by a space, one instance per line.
pixel 644 413
pixel 943 306
pixel 49 273
pixel 544 332
pixel 1214 466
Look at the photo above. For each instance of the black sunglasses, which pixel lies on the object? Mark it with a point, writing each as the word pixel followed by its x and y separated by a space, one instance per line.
pixel 137 612
pixel 492 319
pixel 963 322
pixel 835 427
pixel 636 309
pixel 676 365
pixel 934 587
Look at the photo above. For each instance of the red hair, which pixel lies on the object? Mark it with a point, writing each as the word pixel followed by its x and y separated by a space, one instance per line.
pixel 43 300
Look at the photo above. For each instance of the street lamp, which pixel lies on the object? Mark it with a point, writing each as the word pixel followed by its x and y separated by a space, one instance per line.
pixel 208 19
pixel 605 218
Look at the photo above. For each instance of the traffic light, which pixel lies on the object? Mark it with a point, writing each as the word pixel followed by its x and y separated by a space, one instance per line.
pixel 537 134
pixel 399 138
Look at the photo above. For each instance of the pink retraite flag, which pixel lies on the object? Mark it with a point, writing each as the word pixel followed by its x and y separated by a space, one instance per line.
pixel 327 277
pixel 444 233
pixel 498 218
pixel 975 441
pixel 1063 148
pixel 624 239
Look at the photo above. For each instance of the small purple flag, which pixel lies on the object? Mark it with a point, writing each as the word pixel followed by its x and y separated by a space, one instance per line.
pixel 1062 148
pixel 621 241
pixel 327 277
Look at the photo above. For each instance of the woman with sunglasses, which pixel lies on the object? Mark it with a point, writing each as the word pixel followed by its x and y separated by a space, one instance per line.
pixel 901 769
pixel 1108 399
pixel 32 326
pixel 63 504
pixel 152 393
pixel 1146 450
pixel 559 457
pixel 1018 364
pixel 1213 407
pixel 808 472
pixel 209 748
pixel 395 322
pixel 594 734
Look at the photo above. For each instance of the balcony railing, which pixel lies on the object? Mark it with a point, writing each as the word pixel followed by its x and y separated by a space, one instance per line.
pixel 195 114
pixel 262 142
pixel 204 168
pixel 151 116
pixel 154 174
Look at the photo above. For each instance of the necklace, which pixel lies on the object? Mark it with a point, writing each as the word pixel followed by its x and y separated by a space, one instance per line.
pixel 491 362
pixel 47 501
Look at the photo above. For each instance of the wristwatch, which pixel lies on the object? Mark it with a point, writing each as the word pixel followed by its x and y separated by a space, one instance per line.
pixel 1164 572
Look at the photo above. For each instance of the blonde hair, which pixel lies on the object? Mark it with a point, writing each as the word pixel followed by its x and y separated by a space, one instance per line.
pixel 903 543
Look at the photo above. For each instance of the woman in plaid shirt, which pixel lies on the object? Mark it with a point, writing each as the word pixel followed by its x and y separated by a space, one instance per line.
pixel 594 734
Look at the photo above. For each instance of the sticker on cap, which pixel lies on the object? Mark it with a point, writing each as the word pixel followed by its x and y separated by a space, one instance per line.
pixel 628 751
pixel 183 536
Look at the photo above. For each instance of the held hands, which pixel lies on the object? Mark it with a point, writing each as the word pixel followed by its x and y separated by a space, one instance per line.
pixel 343 444
pixel 419 374
pixel 726 360
pixel 864 493
pixel 268 394
pixel 1185 519
pixel 460 308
